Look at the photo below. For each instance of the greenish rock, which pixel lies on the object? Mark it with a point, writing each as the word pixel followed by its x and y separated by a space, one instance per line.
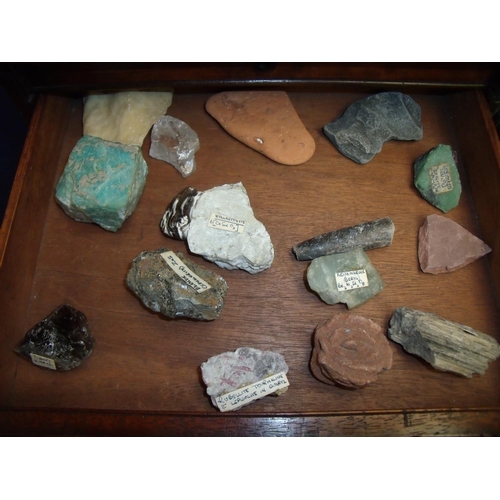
pixel 102 182
pixel 437 179
pixel 349 278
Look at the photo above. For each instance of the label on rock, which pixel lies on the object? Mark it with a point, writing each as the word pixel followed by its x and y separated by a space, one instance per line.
pixel 240 397
pixel 226 223
pixel 441 181
pixel 43 361
pixel 186 275
pixel 349 280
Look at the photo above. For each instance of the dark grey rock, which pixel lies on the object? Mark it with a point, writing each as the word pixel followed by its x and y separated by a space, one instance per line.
pixel 368 123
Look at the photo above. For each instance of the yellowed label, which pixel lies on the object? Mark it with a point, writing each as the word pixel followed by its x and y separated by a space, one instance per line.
pixel 226 223
pixel 186 275
pixel 349 280
pixel 42 361
pixel 441 181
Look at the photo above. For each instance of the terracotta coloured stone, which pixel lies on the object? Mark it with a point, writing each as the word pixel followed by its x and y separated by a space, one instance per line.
pixel 265 121
pixel 350 350
pixel 445 246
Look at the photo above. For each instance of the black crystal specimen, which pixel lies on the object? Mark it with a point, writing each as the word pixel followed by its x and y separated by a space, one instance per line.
pixel 61 341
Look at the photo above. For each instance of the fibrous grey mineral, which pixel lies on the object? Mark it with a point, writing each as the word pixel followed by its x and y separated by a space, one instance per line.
pixel 175 142
pixel 368 123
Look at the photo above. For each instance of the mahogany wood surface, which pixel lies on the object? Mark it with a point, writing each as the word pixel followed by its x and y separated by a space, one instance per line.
pixel 144 377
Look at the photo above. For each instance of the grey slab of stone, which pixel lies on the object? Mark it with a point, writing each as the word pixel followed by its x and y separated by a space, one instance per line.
pixel 368 123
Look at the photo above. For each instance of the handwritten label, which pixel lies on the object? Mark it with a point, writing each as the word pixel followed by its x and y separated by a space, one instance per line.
pixel 240 397
pixel 43 361
pixel 184 273
pixel 349 280
pixel 226 223
pixel 441 181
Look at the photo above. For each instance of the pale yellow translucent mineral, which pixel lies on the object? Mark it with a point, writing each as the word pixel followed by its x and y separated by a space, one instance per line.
pixel 124 117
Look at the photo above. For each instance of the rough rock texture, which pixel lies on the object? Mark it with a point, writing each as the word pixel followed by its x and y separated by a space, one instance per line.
pixel 229 371
pixel 437 179
pixel 175 142
pixel 367 235
pixel 161 289
pixel 265 121
pixel 339 278
pixel 368 123
pixel 445 246
pixel 446 345
pixel 219 224
pixel 350 350
pixel 125 117
pixel 62 341
pixel 102 182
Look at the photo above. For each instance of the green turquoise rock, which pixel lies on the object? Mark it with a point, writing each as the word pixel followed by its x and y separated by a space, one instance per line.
pixel 349 278
pixel 436 178
pixel 102 182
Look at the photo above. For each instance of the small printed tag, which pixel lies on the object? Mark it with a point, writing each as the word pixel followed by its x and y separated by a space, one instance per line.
pixel 349 280
pixel 186 275
pixel 43 361
pixel 441 181
pixel 226 223
pixel 240 397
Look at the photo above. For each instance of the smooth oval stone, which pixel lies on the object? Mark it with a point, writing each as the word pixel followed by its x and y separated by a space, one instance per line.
pixel 265 121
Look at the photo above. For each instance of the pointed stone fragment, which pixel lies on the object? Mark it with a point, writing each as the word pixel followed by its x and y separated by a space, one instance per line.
pixel 265 121
pixel 445 246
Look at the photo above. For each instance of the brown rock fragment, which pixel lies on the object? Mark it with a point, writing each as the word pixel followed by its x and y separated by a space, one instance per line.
pixel 445 246
pixel 349 350
pixel 265 121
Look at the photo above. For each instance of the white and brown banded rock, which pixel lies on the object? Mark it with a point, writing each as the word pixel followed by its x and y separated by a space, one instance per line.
pixel 446 345
pixel 445 246
pixel 265 121
pixel 367 235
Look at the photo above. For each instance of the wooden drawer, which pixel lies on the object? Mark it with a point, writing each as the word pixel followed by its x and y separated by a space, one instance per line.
pixel 144 378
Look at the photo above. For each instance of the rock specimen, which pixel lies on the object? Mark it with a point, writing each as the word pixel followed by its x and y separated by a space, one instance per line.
pixel 350 350
pixel 446 345
pixel 236 379
pixel 102 182
pixel 368 123
pixel 175 142
pixel 368 235
pixel 219 224
pixel 349 278
pixel 125 117
pixel 445 246
pixel 437 179
pixel 265 121
pixel 170 283
pixel 62 341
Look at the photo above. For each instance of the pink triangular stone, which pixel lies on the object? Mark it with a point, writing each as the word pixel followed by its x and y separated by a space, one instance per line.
pixel 445 246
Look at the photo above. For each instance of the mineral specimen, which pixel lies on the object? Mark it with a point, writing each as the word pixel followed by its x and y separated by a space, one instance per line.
pixel 102 182
pixel 175 142
pixel 347 277
pixel 446 345
pixel 219 224
pixel 125 117
pixel 265 121
pixel 445 246
pixel 170 283
pixel 62 341
pixel 436 178
pixel 350 350
pixel 368 123
pixel 368 235
pixel 236 379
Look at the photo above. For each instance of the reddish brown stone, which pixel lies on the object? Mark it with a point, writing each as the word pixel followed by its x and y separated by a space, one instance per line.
pixel 350 350
pixel 265 121
pixel 445 246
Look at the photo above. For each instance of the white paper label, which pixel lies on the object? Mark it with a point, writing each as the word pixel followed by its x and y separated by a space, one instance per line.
pixel 441 181
pixel 349 280
pixel 186 275
pixel 43 361
pixel 240 397
pixel 226 223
